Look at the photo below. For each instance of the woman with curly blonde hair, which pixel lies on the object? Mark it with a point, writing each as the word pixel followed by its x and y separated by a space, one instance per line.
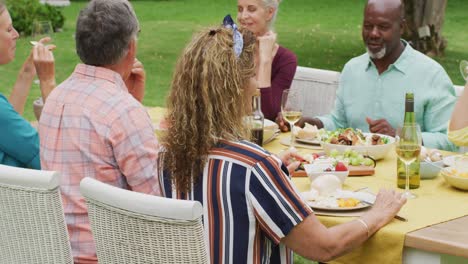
pixel 251 211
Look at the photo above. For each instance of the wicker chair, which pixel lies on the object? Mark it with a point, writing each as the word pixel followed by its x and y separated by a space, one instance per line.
pixel 317 88
pixel 131 227
pixel 32 225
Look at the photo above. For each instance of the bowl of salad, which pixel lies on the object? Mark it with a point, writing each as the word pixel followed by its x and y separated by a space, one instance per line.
pixel 340 141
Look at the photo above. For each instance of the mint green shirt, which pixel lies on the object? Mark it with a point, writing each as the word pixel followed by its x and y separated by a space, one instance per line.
pixel 362 93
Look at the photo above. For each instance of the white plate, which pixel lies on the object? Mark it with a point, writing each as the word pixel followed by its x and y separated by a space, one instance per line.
pixel 322 204
pixel 308 141
pixel 315 205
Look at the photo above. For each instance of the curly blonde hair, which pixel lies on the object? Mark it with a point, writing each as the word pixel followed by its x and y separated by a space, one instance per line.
pixel 207 101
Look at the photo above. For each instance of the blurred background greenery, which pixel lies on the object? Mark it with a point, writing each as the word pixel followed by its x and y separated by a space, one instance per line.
pixel 323 34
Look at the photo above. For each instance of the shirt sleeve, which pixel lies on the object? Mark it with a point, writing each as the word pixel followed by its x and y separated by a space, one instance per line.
pixel 282 74
pixel 337 118
pixel 19 141
pixel 437 111
pixel 136 150
pixel 276 203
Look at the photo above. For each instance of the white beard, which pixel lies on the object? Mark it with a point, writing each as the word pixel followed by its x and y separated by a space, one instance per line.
pixel 377 55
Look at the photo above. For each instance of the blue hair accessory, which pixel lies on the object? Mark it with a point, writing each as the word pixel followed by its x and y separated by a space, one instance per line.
pixel 236 35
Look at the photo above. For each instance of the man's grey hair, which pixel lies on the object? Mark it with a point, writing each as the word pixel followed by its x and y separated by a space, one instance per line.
pixel 104 30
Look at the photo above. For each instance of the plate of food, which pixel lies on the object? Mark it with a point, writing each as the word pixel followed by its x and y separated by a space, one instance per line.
pixel 309 141
pixel 310 134
pixel 371 144
pixel 326 194
pixel 338 204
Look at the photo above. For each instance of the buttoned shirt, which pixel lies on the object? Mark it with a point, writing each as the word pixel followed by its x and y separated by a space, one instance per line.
pixel 92 127
pixel 249 204
pixel 363 92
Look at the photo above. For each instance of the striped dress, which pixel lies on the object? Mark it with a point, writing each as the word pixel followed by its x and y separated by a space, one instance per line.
pixel 249 204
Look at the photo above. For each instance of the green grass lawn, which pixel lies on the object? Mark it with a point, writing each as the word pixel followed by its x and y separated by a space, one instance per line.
pixel 323 34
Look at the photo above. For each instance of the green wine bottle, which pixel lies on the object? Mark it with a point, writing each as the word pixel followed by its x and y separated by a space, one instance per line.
pixel 414 177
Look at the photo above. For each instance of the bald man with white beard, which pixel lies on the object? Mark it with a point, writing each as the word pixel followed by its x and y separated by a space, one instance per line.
pixel 372 87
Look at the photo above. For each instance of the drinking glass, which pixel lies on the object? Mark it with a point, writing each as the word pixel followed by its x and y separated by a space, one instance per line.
pixel 291 109
pixel 39 30
pixel 408 146
pixel 464 69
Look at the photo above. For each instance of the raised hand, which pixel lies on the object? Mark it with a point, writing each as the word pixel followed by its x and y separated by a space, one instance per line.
pixel 136 81
pixel 380 126
pixel 44 64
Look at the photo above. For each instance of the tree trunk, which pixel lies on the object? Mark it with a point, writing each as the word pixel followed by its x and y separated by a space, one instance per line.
pixel 424 21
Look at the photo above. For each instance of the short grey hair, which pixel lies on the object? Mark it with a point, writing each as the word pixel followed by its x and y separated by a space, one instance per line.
pixel 104 30
pixel 271 4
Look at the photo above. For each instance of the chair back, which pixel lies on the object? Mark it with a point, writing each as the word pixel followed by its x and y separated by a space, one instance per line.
pixel 317 88
pixel 32 223
pixel 131 227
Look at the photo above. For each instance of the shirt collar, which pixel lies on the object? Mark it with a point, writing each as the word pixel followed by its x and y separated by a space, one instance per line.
pixel 101 73
pixel 401 64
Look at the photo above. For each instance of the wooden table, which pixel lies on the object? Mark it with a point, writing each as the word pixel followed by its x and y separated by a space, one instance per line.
pixel 442 243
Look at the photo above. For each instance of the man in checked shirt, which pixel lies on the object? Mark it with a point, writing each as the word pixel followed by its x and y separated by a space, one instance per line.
pixel 93 124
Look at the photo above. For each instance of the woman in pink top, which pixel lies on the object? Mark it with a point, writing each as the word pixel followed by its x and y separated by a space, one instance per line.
pixel 276 64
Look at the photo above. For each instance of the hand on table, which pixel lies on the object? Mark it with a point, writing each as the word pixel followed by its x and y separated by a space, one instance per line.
pixel 387 204
pixel 291 159
pixel 380 126
pixel 136 81
pixel 283 125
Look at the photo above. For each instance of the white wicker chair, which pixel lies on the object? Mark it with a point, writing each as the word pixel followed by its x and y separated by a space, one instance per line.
pixel 32 225
pixel 318 89
pixel 130 227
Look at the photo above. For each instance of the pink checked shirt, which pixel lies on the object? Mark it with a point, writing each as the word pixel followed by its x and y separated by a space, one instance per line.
pixel 92 127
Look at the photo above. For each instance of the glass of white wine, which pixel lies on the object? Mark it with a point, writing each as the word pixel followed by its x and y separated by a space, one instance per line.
pixel 291 109
pixel 408 146
pixel 464 69
pixel 39 30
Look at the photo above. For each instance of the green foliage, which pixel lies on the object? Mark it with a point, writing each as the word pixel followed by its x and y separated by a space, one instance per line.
pixel 25 12
pixel 323 34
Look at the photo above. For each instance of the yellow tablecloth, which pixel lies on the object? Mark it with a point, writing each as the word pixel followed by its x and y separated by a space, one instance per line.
pixel 437 202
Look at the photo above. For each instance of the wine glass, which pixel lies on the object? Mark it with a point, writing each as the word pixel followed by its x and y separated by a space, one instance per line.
pixel 408 146
pixel 39 30
pixel 464 69
pixel 291 109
